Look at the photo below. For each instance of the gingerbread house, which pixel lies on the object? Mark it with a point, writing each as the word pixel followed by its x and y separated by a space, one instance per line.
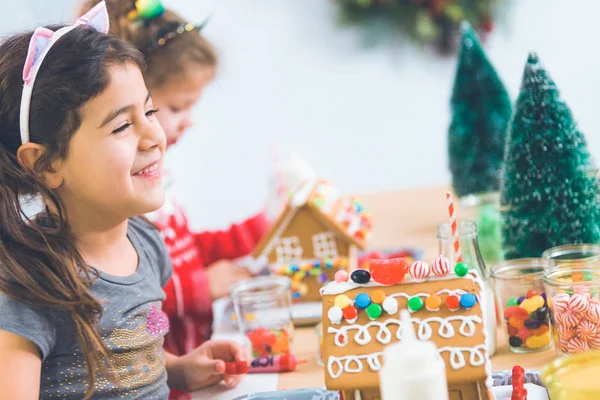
pixel 360 319
pixel 318 233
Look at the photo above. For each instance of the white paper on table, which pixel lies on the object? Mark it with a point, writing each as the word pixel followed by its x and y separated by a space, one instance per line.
pixel 252 383
pixel 534 392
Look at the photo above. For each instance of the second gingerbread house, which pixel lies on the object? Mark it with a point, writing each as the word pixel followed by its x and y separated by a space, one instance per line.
pixel 318 233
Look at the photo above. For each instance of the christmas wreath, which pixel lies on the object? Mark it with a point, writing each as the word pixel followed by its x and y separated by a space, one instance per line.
pixel 427 22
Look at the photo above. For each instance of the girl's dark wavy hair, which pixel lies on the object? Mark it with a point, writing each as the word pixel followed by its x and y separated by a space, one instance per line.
pixel 39 262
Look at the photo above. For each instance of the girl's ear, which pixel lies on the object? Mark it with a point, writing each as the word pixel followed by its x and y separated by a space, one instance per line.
pixel 28 154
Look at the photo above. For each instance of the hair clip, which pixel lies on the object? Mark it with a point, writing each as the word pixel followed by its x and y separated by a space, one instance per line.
pixel 40 44
pixel 171 32
pixel 146 10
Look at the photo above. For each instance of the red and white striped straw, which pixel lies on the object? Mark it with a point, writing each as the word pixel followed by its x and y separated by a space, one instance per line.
pixel 452 214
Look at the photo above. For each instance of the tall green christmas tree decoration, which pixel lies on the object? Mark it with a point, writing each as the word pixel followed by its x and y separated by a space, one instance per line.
pixel 550 195
pixel 481 110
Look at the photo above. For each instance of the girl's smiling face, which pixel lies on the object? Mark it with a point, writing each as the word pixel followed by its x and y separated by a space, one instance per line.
pixel 114 162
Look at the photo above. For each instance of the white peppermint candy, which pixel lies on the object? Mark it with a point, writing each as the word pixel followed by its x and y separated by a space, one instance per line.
pixel 419 270
pixel 441 266
pixel 579 302
pixel 560 302
pixel 335 315
pixel 390 305
pixel 593 313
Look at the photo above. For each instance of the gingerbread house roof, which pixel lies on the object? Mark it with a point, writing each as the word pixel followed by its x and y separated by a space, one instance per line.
pixel 353 345
pixel 344 215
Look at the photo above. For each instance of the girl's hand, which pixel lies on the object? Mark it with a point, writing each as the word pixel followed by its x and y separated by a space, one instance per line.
pixel 205 366
pixel 223 274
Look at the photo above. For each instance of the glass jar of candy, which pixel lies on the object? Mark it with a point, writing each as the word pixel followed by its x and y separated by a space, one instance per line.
pixel 574 255
pixel 574 377
pixel 522 302
pixel 469 246
pixel 263 313
pixel 484 210
pixel 573 297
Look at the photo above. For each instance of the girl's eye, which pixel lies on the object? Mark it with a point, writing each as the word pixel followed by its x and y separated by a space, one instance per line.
pixel 151 113
pixel 121 128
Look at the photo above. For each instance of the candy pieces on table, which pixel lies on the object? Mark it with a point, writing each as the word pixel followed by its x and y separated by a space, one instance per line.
pixel 268 342
pixel 527 321
pixel 236 368
pixel 577 322
pixel 388 272
pixel 518 383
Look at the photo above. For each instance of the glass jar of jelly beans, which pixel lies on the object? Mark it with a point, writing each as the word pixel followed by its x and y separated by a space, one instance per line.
pixel 574 298
pixel 523 303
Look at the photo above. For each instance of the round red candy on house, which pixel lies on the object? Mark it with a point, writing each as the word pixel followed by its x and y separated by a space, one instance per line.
pixel 349 312
pixel 388 271
pixel 452 302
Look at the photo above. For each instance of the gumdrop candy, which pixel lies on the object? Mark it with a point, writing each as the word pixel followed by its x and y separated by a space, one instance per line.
pixel 388 271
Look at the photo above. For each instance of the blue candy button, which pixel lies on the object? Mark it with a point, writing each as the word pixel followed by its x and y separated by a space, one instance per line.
pixel 362 300
pixel 467 300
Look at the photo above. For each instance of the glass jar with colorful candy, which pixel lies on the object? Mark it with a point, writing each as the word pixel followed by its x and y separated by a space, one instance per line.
pixel 471 254
pixel 522 301
pixel 262 310
pixel 574 255
pixel 573 296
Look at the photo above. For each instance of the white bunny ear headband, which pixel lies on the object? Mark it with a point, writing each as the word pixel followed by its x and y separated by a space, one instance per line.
pixel 40 44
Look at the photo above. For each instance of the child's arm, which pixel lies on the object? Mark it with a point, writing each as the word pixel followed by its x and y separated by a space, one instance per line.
pixel 20 369
pixel 204 366
pixel 237 241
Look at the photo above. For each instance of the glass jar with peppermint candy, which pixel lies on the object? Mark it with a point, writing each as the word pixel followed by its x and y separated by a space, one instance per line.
pixel 574 298
pixel 522 303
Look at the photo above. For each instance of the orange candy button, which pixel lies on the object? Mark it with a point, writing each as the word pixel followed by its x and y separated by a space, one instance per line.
pixel 433 302
pixel 378 296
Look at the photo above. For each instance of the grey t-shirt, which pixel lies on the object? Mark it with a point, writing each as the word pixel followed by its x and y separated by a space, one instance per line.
pixel 132 325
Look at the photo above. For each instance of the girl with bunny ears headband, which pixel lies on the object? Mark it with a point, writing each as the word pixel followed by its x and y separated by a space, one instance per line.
pixel 81 282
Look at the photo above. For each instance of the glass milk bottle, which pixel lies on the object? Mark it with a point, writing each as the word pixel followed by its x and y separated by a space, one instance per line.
pixel 469 246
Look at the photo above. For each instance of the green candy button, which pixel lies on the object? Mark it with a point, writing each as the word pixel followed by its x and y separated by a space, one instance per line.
pixel 415 303
pixel 461 269
pixel 374 311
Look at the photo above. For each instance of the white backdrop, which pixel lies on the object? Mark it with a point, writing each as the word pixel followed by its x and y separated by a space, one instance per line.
pixel 368 120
